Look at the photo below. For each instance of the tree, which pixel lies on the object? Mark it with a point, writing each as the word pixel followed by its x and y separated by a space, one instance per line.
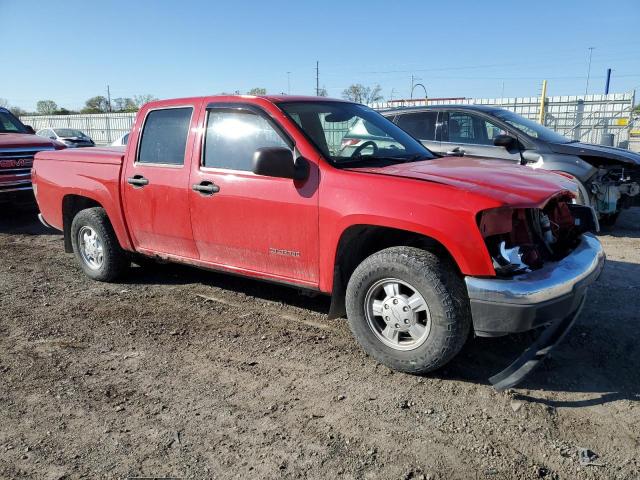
pixel 46 107
pixel 140 100
pixel 18 112
pixel 360 94
pixel 322 92
pixel 257 91
pixel 124 105
pixel 97 104
pixel 4 103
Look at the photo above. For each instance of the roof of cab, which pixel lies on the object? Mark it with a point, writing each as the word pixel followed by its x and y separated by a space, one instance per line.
pixel 452 106
pixel 243 98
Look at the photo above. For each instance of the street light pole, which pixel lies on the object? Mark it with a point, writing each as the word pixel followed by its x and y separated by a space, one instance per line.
pixel 586 90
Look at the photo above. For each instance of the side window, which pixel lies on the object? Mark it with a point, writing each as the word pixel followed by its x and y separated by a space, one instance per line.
pixel 164 137
pixel 125 139
pixel 461 129
pixel 421 125
pixel 492 130
pixel 468 128
pixel 233 136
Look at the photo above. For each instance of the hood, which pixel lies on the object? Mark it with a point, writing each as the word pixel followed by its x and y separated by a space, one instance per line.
pixel 588 149
pixel 507 183
pixel 108 155
pixel 26 140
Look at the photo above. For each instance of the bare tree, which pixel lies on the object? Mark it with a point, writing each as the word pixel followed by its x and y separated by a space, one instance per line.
pixel 140 100
pixel 4 103
pixel 360 94
pixel 46 107
pixel 323 92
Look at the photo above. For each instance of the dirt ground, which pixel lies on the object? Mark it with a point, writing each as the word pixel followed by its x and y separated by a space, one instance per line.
pixel 180 373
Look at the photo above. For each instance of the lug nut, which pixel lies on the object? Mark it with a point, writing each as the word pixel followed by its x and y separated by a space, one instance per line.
pixel 386 306
pixel 395 301
pixel 397 325
pixel 406 321
pixel 386 318
pixel 405 309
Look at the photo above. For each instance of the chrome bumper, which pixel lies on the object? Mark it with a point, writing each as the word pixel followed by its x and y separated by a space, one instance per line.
pixel 556 279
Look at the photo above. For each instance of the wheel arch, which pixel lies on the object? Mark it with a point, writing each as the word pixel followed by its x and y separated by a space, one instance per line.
pixel 357 242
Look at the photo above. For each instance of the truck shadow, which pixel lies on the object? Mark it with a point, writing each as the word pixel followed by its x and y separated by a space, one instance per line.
pixel 600 355
pixel 599 360
pixel 22 220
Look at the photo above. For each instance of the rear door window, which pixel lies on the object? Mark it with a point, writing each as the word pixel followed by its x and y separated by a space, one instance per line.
pixel 164 136
pixel 422 125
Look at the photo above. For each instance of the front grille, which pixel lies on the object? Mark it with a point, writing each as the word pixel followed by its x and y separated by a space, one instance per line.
pixel 15 167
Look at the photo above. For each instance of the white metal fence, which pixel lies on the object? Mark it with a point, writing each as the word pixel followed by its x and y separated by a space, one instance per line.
pixel 588 118
pixel 103 128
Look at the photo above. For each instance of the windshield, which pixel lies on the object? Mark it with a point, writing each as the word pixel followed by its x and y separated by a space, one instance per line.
pixel 347 133
pixel 69 132
pixel 10 124
pixel 531 128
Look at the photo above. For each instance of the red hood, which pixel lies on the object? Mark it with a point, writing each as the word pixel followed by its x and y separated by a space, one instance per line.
pixel 20 140
pixel 505 182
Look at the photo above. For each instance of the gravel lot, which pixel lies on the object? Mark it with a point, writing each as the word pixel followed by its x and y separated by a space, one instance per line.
pixel 177 372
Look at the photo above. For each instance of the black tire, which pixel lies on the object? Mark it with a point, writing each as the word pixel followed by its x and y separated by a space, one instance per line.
pixel 114 259
pixel 443 291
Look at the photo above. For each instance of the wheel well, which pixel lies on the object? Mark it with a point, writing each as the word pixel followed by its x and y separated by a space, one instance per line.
pixel 71 205
pixel 360 241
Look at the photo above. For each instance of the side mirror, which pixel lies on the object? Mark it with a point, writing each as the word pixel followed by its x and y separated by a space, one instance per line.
pixel 506 141
pixel 279 162
pixel 30 129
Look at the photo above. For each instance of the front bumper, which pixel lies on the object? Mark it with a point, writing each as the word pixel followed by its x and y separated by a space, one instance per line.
pixel 529 300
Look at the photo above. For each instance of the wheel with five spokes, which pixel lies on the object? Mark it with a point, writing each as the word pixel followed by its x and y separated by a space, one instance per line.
pixel 408 309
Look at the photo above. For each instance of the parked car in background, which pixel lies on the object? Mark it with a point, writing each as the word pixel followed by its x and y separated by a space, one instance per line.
pixel 416 250
pixel 122 141
pixel 18 145
pixel 607 177
pixel 71 137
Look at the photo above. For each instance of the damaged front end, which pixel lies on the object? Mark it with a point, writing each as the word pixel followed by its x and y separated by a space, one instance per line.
pixel 613 188
pixel 524 239
pixel 544 259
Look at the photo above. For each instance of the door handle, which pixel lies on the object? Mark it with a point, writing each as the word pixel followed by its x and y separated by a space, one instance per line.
pixel 138 181
pixel 456 152
pixel 206 188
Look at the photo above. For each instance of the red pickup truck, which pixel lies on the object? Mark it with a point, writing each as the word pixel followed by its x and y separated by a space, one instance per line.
pixel 417 250
pixel 18 145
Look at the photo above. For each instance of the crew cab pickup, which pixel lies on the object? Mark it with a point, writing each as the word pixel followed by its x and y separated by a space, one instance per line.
pixel 18 145
pixel 417 250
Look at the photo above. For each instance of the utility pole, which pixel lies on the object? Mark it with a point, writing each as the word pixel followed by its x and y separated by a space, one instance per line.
pixel 606 85
pixel 411 94
pixel 288 83
pixel 108 98
pixel 586 90
pixel 317 78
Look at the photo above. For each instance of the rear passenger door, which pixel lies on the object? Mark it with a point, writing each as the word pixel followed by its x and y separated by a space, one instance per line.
pixel 423 126
pixel 155 185
pixel 467 133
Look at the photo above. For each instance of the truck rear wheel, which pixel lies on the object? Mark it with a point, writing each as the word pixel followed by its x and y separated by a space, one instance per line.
pixel 96 246
pixel 408 309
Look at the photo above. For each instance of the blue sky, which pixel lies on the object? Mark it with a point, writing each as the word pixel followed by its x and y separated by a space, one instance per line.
pixel 68 51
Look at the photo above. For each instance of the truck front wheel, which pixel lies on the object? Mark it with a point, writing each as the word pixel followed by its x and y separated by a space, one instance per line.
pixel 408 309
pixel 96 246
